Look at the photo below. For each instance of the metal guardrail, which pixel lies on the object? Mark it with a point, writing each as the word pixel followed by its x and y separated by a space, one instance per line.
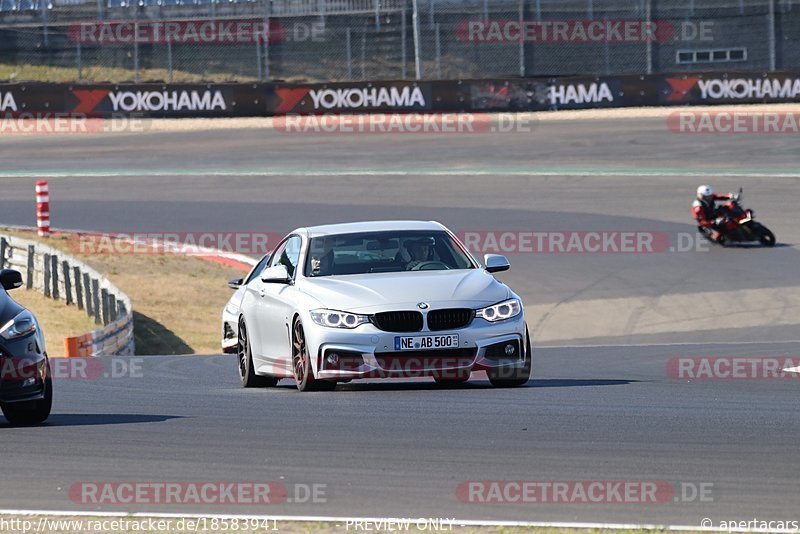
pixel 61 277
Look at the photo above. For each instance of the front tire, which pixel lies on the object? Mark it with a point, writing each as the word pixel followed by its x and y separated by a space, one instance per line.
pixel 31 412
pixel 504 378
pixel 247 373
pixel 301 363
pixel 765 236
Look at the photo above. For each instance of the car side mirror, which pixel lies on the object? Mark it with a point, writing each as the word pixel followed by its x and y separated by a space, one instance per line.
pixel 10 279
pixel 496 263
pixel 277 274
pixel 235 283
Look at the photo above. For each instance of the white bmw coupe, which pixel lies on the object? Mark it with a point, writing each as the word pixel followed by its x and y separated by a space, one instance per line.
pixel 375 299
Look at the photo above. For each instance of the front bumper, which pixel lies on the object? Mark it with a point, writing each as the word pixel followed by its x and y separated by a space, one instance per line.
pixel 367 352
pixel 230 330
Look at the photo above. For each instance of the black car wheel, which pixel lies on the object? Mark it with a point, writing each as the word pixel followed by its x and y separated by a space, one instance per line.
pixel 31 412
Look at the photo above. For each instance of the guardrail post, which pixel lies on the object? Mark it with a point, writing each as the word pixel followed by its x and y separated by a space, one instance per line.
pixel 98 318
pixel 87 287
pixel 46 269
pixel 54 274
pixel 76 271
pixel 112 308
pixel 29 274
pixel 104 305
pixel 67 282
pixel 3 248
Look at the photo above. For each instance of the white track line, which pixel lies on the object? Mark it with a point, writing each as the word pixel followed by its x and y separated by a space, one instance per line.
pixel 338 520
pixel 676 344
pixel 390 173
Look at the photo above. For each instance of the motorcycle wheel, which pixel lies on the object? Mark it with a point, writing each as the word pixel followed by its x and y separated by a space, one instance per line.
pixel 765 236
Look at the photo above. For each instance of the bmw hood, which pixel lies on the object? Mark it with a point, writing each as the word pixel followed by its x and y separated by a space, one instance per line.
pixel 372 293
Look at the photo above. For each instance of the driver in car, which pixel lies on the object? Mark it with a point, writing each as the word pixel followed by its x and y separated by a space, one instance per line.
pixel 322 264
pixel 420 251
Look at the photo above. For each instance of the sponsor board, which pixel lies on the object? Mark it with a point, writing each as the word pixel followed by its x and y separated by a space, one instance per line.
pixel 445 96
pixel 7 102
pixel 165 100
pixel 595 93
pixel 732 88
pixel 391 96
pixel 553 94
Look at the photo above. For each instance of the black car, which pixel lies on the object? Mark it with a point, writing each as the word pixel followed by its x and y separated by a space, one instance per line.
pixel 26 386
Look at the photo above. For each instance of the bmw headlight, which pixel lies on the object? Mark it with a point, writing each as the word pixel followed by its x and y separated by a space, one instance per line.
pixel 338 319
pixel 21 325
pixel 500 311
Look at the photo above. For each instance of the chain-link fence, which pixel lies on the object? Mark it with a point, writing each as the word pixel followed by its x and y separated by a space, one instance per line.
pixel 338 40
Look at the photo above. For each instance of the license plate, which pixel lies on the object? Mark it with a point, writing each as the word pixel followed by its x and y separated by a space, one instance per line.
pixel 449 341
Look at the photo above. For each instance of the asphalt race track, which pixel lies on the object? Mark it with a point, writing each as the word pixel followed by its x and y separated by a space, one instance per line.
pixel 603 404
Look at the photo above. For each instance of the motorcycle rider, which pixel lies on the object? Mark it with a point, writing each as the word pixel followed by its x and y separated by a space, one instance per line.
pixel 705 212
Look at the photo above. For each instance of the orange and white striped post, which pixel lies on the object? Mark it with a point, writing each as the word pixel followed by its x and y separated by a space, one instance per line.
pixel 42 208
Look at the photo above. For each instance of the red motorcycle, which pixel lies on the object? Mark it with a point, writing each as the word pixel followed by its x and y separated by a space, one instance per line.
pixel 738 225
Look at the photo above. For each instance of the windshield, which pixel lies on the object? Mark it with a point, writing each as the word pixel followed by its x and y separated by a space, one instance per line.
pixel 385 252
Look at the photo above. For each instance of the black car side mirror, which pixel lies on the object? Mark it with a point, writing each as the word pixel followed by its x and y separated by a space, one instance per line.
pixel 10 279
pixel 235 283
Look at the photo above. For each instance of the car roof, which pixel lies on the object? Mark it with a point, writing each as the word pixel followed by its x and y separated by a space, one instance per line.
pixel 369 226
